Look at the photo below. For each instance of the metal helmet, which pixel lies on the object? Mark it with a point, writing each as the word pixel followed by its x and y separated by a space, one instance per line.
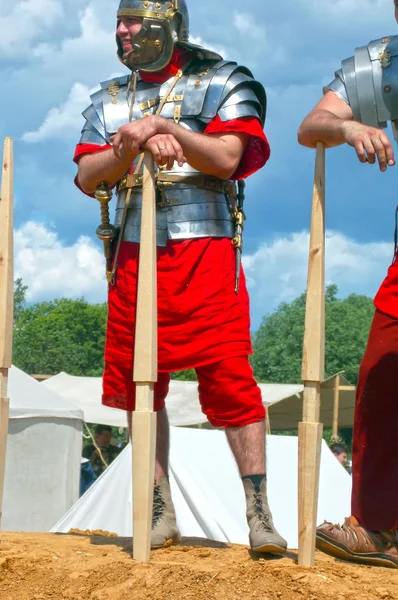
pixel 165 23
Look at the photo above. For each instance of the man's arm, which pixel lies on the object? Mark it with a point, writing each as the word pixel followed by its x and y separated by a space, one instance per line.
pixel 110 166
pixel 331 122
pixel 102 166
pixel 218 154
pixel 325 123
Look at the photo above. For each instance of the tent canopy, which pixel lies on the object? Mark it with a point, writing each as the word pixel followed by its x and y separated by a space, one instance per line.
pixel 285 402
pixel 30 399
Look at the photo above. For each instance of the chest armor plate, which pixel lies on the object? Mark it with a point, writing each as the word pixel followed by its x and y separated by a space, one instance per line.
pixel 184 210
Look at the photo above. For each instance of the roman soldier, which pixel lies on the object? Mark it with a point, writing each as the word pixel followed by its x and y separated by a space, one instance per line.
pixel 202 119
pixel 357 105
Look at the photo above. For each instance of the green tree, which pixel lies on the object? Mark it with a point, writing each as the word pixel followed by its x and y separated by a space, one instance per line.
pixel 348 323
pixel 61 335
pixel 187 375
pixel 19 298
pixel 278 342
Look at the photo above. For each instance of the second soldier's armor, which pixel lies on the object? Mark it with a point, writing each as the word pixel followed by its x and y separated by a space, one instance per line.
pixel 368 82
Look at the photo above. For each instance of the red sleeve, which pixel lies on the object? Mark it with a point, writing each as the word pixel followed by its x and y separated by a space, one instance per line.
pixel 257 150
pixel 81 150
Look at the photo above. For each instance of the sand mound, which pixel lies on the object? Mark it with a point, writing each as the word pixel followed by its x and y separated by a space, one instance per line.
pixel 99 567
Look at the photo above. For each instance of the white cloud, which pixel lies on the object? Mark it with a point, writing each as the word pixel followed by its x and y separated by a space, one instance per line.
pixel 201 42
pixel 65 120
pixel 277 271
pixel 88 56
pixel 22 22
pixel 51 269
pixel 93 40
pixel 254 40
pixel 245 23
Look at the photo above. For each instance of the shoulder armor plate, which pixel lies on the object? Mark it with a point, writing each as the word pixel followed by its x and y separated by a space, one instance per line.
pixel 225 86
pixel 197 88
pixel 370 79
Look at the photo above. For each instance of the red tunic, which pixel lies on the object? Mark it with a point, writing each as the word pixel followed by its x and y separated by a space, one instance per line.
pixel 386 299
pixel 375 449
pixel 200 318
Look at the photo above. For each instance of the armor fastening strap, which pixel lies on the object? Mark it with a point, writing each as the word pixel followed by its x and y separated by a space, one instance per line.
pixel 239 218
pixel 138 169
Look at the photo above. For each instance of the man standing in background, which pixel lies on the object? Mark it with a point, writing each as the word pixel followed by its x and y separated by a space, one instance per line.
pixel 103 436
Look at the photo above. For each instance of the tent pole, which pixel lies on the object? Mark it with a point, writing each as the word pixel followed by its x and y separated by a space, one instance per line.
pixel 313 367
pixel 336 407
pixel 145 372
pixel 267 424
pixel 6 299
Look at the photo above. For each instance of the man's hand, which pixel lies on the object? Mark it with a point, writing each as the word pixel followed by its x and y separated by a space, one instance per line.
pixel 165 150
pixel 93 457
pixel 369 143
pixel 131 138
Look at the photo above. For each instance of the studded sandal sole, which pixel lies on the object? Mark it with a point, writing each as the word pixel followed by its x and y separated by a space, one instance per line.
pixel 336 550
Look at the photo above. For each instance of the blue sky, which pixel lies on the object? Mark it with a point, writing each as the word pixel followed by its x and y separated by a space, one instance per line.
pixel 54 52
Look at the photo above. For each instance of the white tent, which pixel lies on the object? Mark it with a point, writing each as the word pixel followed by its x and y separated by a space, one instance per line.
pixel 43 456
pixel 207 490
pixel 285 402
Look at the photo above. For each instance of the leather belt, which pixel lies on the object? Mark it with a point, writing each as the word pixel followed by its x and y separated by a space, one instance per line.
pixel 167 180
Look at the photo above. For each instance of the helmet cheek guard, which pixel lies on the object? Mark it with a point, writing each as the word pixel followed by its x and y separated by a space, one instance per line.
pixel 152 47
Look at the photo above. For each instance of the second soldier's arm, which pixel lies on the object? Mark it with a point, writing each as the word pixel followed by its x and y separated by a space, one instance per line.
pixel 331 122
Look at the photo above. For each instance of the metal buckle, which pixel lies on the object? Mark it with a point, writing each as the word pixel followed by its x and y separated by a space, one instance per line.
pixel 153 101
pixel 166 202
pixel 130 181
pixel 237 241
pixel 149 103
pixel 239 217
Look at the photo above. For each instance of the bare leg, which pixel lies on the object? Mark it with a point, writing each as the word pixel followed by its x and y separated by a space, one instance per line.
pixel 248 447
pixel 162 445
pixel 162 442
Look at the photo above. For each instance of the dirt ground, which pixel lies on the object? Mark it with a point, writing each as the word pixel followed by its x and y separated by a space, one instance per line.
pixel 92 566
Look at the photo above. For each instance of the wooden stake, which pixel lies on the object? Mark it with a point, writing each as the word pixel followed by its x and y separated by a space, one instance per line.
pixel 310 430
pixel 145 372
pixel 6 298
pixel 336 407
